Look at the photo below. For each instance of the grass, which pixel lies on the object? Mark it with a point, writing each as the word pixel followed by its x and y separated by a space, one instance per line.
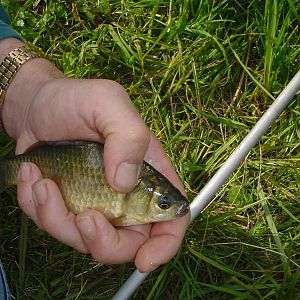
pixel 201 73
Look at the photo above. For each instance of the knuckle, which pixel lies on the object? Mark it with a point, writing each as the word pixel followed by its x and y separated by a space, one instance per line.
pixel 110 91
pixel 114 86
pixel 139 135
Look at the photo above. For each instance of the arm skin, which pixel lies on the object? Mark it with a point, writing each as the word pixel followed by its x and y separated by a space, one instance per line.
pixel 42 104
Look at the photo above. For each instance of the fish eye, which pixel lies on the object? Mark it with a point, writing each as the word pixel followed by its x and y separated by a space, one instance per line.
pixel 163 205
pixel 164 202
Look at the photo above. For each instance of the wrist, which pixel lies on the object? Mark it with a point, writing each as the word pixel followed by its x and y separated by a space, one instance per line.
pixel 28 81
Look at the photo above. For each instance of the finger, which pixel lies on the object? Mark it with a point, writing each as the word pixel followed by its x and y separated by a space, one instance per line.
pixel 106 243
pixel 27 176
pixel 157 157
pixel 23 142
pixel 53 215
pixel 166 238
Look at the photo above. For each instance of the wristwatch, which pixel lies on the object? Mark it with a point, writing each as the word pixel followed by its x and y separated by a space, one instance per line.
pixel 10 66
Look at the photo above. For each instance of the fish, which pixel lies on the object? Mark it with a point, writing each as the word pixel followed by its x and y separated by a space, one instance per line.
pixel 78 170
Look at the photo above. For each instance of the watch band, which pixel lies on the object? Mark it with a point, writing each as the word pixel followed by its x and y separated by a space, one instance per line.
pixel 10 66
pixel 8 69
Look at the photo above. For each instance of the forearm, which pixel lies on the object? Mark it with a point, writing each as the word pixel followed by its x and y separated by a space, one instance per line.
pixel 29 79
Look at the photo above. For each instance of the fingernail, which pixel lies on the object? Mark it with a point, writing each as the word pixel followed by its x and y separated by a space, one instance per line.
pixel 87 227
pixel 41 193
pixel 126 175
pixel 25 172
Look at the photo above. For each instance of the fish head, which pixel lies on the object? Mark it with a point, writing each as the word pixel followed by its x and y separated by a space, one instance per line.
pixel 167 204
pixel 155 199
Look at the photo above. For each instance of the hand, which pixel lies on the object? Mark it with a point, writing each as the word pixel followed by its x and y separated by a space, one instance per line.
pixel 57 108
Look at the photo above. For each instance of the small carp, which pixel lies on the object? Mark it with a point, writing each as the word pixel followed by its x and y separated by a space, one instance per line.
pixel 77 168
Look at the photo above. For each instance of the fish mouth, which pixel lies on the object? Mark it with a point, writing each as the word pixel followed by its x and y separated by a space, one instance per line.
pixel 183 209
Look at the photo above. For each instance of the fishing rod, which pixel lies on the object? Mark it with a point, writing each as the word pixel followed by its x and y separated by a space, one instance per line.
pixel 205 197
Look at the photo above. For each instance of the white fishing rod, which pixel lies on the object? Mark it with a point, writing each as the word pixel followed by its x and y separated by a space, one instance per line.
pixel 205 196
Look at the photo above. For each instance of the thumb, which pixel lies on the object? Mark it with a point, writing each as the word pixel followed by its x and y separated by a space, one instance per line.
pixel 126 138
pixel 124 151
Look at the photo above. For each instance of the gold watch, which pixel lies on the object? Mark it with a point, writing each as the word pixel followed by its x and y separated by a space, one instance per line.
pixel 10 66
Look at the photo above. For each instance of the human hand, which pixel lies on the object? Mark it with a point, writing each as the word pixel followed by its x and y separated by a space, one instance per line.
pixel 57 108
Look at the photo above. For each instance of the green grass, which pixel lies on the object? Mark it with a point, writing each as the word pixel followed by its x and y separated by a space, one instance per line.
pixel 201 73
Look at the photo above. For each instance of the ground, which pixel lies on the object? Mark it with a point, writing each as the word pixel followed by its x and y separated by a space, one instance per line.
pixel 201 73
